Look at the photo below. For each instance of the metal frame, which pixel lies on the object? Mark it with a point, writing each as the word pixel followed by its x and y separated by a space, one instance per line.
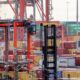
pixel 50 51
pixel 25 3
pixel 14 24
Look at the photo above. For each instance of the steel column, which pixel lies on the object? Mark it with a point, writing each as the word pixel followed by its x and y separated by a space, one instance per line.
pixel 22 8
pixel 34 10
pixel 47 10
pixel 42 9
pixel 28 50
pixel 15 49
pixel 6 50
pixel 15 35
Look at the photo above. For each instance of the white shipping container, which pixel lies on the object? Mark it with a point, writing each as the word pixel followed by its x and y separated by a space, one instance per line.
pixel 71 62
pixel 2 46
pixel 62 62
pixel 66 62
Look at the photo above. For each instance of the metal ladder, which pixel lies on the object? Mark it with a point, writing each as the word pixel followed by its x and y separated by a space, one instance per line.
pixel 49 51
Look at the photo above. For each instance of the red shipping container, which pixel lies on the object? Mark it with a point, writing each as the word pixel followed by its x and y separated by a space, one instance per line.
pixel 60 51
pixel 10 57
pixel 66 51
pixel 39 74
pixel 77 61
pixel 10 51
pixel 36 43
pixel 70 45
pixel 59 31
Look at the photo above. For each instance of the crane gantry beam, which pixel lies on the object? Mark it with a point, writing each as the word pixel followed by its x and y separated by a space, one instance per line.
pixel 21 7
pixel 6 2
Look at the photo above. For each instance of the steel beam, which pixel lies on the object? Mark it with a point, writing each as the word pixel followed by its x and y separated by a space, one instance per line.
pixel 12 8
pixel 6 2
pixel 42 9
pixel 16 7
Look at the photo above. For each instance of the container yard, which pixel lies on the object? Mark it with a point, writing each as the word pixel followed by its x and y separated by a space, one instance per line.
pixel 37 41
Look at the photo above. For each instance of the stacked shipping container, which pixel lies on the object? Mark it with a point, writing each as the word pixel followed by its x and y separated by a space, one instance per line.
pixel 67 47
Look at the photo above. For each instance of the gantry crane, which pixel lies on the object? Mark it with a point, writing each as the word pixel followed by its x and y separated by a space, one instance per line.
pixel 20 9
pixel 20 13
pixel 7 24
pixel 50 53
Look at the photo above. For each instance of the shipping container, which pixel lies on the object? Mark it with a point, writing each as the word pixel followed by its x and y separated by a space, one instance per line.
pixel 66 51
pixel 40 74
pixel 72 75
pixel 77 61
pixel 59 74
pixel 66 62
pixel 70 45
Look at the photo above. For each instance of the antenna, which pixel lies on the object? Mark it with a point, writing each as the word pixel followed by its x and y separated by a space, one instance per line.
pixel 67 5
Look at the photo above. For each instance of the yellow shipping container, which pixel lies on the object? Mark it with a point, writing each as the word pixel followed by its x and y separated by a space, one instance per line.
pixel 32 76
pixel 59 42
pixel 19 44
pixel 64 74
pixel 49 42
pixel 23 76
pixel 11 44
pixel 11 74
pixel 71 74
pixel 76 38
pixel 78 74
